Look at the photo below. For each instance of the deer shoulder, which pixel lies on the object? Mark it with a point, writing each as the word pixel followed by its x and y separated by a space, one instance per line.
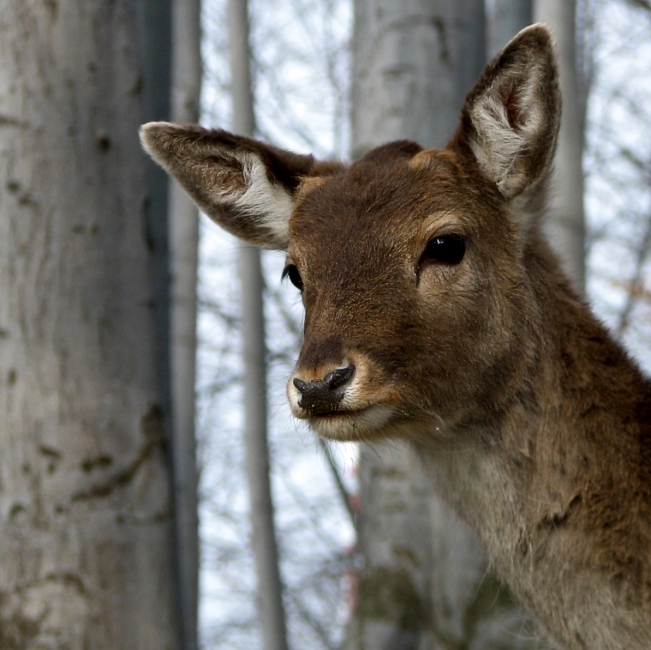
pixel 435 312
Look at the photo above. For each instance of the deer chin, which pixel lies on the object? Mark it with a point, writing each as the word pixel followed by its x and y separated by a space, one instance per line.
pixel 361 425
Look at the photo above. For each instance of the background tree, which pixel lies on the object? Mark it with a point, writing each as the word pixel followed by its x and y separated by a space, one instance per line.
pixel 186 80
pixel 85 490
pixel 254 350
pixel 565 222
pixel 506 19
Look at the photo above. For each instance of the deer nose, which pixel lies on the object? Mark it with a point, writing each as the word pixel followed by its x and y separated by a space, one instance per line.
pixel 323 396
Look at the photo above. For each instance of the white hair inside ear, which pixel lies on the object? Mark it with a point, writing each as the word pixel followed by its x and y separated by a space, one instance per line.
pixel 506 118
pixel 511 117
pixel 270 201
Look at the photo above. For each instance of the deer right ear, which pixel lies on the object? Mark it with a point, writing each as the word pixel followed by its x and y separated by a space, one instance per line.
pixel 510 119
pixel 246 186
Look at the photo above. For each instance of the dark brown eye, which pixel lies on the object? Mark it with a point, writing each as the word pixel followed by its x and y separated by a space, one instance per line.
pixel 445 249
pixel 291 272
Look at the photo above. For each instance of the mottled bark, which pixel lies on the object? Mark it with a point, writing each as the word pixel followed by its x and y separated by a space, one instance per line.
pixel 85 517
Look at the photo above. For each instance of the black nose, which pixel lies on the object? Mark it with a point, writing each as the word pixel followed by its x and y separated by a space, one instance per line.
pixel 323 397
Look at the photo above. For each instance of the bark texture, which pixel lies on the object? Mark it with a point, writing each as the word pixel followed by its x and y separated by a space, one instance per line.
pixel 425 583
pixel 85 517
pixel 413 63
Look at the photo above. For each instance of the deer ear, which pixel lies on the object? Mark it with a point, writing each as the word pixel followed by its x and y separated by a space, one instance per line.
pixel 246 186
pixel 511 117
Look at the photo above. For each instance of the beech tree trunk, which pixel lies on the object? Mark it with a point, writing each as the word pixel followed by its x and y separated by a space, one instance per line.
pixel 86 525
pixel 565 222
pixel 263 535
pixel 507 18
pixel 184 239
pixel 424 584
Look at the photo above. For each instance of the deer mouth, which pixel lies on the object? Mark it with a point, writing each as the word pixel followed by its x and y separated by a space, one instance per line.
pixel 342 402
pixel 333 412
pixel 350 424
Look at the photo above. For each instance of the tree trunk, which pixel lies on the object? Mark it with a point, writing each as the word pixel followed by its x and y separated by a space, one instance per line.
pixel 86 524
pixel 507 18
pixel 424 582
pixel 565 221
pixel 403 81
pixel 269 586
pixel 184 239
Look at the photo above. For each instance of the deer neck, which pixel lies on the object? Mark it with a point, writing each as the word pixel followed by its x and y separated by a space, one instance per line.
pixel 556 488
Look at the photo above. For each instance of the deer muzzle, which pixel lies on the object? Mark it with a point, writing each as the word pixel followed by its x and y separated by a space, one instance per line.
pixel 324 396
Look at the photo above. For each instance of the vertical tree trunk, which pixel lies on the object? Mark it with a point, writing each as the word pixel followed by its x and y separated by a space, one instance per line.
pixel 184 237
pixel 85 519
pixel 507 18
pixel 403 72
pixel 269 588
pixel 565 223
pixel 424 583
pixel 468 35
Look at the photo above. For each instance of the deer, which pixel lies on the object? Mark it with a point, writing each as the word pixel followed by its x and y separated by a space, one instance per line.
pixel 436 313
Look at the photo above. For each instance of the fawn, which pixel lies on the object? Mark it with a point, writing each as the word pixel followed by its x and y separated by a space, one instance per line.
pixel 435 312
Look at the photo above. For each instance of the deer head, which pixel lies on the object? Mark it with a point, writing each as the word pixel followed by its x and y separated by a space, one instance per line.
pixel 410 261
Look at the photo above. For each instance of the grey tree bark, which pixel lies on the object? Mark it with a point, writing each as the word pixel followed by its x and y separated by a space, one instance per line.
pixel 85 497
pixel 565 222
pixel 425 583
pixel 265 549
pixel 184 238
pixel 507 18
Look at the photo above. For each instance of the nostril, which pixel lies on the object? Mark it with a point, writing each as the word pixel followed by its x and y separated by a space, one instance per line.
pixel 339 377
pixel 331 382
pixel 301 386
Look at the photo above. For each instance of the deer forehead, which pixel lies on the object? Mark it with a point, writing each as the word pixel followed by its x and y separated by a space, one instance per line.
pixel 380 214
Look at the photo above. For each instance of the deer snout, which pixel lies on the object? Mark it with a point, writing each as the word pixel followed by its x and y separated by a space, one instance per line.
pixel 323 396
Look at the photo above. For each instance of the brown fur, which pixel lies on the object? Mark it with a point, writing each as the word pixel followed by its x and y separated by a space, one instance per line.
pixel 532 422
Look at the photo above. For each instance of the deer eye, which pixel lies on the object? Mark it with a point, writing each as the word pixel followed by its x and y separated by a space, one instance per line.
pixel 291 272
pixel 445 249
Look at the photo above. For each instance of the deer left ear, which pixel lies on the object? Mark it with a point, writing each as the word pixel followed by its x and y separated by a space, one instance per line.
pixel 246 186
pixel 510 119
